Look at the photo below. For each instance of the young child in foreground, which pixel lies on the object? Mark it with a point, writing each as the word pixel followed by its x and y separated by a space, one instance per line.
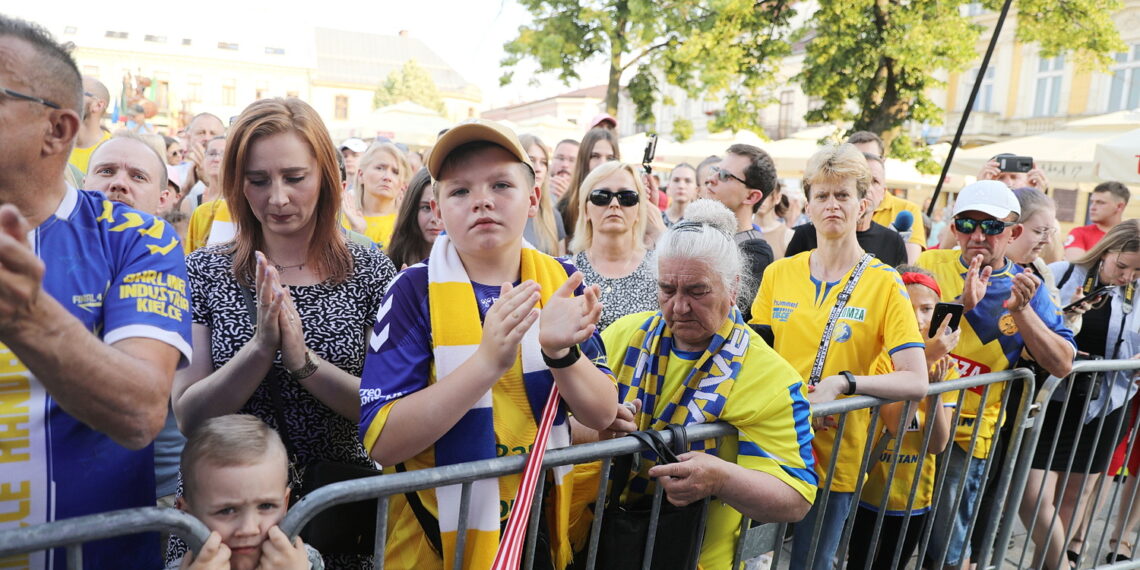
pixel 912 461
pixel 235 476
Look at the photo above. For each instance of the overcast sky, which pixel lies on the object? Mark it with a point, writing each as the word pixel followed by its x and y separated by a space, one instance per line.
pixel 468 34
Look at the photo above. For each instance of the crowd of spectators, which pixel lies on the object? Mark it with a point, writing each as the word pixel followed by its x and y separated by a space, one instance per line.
pixel 284 301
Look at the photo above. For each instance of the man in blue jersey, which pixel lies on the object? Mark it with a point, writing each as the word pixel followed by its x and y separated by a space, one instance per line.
pixel 94 318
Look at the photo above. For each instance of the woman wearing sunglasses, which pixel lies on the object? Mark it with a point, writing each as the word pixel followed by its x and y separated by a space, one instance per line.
pixel 608 241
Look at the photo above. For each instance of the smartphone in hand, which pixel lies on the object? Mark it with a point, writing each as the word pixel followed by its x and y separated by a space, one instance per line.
pixel 940 311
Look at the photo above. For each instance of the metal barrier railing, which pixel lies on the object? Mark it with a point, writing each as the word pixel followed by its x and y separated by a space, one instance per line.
pixel 1006 478
pixel 1048 518
pixel 72 533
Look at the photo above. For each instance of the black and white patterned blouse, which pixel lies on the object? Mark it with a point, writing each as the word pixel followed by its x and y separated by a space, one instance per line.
pixel 335 319
pixel 623 296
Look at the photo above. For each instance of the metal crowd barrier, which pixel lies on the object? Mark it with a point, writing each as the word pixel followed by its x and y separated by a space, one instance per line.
pixel 1005 476
pixel 72 533
pixel 1101 494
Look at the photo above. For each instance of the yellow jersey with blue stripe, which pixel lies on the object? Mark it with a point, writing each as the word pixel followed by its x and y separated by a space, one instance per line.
pixel 767 407
pixel 878 318
pixel 990 341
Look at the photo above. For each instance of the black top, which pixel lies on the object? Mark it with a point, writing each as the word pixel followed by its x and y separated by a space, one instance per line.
pixel 1093 336
pixel 883 243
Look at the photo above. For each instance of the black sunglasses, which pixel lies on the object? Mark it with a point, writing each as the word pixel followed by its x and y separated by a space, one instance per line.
pixel 602 197
pixel 18 95
pixel 989 227
pixel 724 175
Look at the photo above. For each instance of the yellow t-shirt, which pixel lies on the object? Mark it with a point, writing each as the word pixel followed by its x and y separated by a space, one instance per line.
pixel 890 207
pixel 81 157
pixel 907 468
pixel 878 318
pixel 767 405
pixel 209 224
pixel 380 229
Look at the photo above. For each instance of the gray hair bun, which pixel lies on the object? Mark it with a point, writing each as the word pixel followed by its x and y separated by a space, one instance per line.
pixel 711 213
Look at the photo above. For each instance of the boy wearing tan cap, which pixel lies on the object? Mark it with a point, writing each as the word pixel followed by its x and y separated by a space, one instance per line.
pixel 466 349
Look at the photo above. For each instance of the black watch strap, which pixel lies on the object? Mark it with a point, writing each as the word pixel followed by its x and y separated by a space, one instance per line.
pixel 851 384
pixel 566 361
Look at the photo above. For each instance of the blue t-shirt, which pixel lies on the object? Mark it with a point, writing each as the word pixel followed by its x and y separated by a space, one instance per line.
pixel 122 274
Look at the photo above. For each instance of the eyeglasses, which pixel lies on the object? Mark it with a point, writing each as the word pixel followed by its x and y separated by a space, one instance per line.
pixel 989 227
pixel 724 175
pixel 33 99
pixel 626 198
pixel 214 153
pixel 1043 233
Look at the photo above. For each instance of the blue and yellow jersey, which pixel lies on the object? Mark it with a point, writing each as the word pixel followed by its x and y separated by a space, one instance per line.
pixel 878 318
pixel 990 341
pixel 766 406
pixel 121 273
pixel 400 362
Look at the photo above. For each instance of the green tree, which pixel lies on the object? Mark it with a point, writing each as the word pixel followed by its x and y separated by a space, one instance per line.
pixel 723 49
pixel 872 62
pixel 410 83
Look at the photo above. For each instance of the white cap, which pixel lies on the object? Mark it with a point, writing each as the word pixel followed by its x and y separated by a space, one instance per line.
pixel 354 144
pixel 989 197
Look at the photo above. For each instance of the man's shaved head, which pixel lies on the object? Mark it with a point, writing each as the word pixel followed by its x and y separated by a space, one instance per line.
pixel 53 71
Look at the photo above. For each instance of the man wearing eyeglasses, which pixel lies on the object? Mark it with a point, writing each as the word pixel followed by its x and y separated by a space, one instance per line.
pixel 1006 310
pixel 94 318
pixel 91 130
pixel 741 181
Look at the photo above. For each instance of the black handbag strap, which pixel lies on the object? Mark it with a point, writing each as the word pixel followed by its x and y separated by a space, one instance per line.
pixel 428 523
pixel 275 397
pixel 624 464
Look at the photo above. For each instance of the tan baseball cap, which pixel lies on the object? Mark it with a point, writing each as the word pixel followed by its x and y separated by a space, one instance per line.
pixel 475 130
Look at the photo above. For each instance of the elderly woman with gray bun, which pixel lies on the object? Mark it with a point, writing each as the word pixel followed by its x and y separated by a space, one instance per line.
pixel 695 361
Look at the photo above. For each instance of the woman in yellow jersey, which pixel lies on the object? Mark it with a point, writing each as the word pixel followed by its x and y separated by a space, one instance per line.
pixel 907 501
pixel 380 182
pixel 696 361
pixel 796 299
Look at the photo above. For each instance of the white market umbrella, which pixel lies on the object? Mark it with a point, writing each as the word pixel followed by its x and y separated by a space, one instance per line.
pixel 1119 158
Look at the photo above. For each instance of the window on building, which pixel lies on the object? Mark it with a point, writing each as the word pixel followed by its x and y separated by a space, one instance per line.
pixel 231 46
pixel 787 110
pixel 972 9
pixel 116 34
pixel 70 30
pixel 186 41
pixel 274 51
pixel 1125 90
pixel 340 112
pixel 195 89
pixel 985 101
pixel 1047 97
pixel 154 39
pixel 229 92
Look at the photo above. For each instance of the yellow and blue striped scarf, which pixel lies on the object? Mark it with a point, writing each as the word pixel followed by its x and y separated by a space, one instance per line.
pixel 456 333
pixel 705 391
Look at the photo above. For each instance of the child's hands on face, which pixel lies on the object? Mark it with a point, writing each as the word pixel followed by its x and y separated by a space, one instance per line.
pixel 278 553
pixel 942 342
pixel 214 555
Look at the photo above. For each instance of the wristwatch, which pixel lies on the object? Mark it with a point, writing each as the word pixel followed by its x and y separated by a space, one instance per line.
pixel 308 369
pixel 566 361
pixel 851 385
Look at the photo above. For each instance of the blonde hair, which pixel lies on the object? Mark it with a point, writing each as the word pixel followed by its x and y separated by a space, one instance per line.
pixel 370 154
pixel 836 163
pixel 545 227
pixel 234 440
pixel 584 230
